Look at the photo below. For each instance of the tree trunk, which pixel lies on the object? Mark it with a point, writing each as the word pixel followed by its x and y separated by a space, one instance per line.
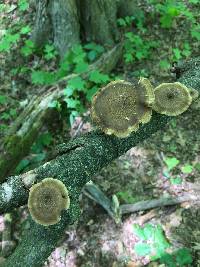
pixel 67 22
pixel 99 21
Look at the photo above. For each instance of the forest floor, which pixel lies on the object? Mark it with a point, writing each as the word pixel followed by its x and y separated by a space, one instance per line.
pixel 163 165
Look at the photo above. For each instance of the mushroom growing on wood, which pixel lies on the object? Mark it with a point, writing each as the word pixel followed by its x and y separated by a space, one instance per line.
pixel 171 99
pixel 46 201
pixel 119 107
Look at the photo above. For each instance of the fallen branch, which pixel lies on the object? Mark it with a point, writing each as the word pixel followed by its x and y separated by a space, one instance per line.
pixel 116 211
pixel 155 203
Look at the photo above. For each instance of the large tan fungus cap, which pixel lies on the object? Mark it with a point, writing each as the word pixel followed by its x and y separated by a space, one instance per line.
pixel 171 99
pixel 119 108
pixel 46 201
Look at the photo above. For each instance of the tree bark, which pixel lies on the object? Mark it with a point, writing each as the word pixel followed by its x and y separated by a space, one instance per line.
pixel 99 21
pixel 66 29
pixel 68 22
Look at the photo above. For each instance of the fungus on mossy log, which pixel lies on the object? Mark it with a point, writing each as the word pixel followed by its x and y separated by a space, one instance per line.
pixel 171 99
pixel 46 201
pixel 119 107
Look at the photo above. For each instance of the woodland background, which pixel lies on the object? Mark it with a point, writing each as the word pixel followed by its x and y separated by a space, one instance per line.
pixel 54 56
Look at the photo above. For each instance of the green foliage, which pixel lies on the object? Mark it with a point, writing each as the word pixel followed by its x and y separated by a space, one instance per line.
pixel 187 168
pixel 28 48
pixel 153 242
pixel 77 83
pixel 171 163
pixel 8 40
pixel 98 77
pixel 176 180
pixel 49 52
pixel 43 77
pixel 23 5
pixel 182 257
pixel 93 51
pixel 3 99
pixel 136 48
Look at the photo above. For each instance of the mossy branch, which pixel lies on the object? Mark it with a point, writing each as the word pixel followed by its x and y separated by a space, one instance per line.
pixel 74 165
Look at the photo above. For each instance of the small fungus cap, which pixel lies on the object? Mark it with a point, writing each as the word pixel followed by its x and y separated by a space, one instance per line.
pixel 46 201
pixel 119 108
pixel 171 99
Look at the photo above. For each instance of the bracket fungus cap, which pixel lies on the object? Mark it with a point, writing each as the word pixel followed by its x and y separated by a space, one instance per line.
pixel 46 201
pixel 171 99
pixel 148 90
pixel 120 106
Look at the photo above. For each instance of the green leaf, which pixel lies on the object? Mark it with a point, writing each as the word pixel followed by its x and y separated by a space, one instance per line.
pixel 81 67
pixel 68 91
pixel 177 53
pixel 197 166
pixel 25 29
pixel 49 51
pixel 121 22
pixel 128 57
pixel 142 249
pixel 8 40
pixel 171 162
pixel 45 139
pixel 5 116
pixel 148 231
pixel 177 180
pixel 3 99
pixel 72 116
pixel 139 231
pixel 43 77
pixel 91 92
pixel 28 48
pixel 164 64
pixel 13 112
pixel 193 1
pixel 23 5
pixel 97 77
pixel 195 33
pixel 187 168
pixel 55 104
pixel 71 102
pixel 39 157
pixel 95 47
pixel 77 83
pixel 22 165
pixel 168 260
pixel 160 241
pixel 183 256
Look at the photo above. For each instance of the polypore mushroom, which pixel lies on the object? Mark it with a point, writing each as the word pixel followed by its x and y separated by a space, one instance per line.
pixel 119 107
pixel 46 201
pixel 171 99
